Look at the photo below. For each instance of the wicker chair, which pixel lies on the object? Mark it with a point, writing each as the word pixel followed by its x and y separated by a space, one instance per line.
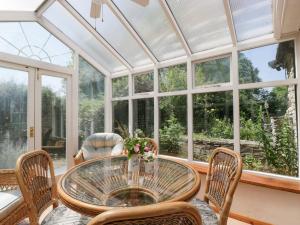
pixel 99 145
pixel 35 175
pixel 176 213
pixel 224 172
pixel 12 205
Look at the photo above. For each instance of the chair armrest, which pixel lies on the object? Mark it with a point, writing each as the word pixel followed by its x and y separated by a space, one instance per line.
pixel 78 158
pixel 8 179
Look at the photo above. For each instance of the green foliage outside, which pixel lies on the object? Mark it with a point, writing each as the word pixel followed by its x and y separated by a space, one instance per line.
pixel 143 83
pixel 120 86
pixel 172 78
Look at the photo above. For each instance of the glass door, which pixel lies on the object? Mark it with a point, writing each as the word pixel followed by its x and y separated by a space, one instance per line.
pixel 51 115
pixel 16 113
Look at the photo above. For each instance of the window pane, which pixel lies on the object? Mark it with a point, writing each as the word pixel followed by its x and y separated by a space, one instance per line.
pixel 143 82
pixel 269 130
pixel 91 100
pixel 120 118
pixel 154 28
pixel 64 21
pixel 173 126
pixel 54 119
pixel 124 43
pixel 172 78
pixel 213 123
pixel 272 62
pixel 13 116
pixel 196 16
pixel 143 116
pixel 30 40
pixel 212 72
pixel 252 18
pixel 120 86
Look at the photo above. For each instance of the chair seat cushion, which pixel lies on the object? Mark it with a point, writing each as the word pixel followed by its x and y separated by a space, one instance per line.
pixel 65 216
pixel 9 201
pixel 208 216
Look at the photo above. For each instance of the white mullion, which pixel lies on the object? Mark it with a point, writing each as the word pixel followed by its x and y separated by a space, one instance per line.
pixel 156 106
pixel 268 84
pixel 98 37
pixel 71 109
pixel 130 104
pixel 297 64
pixel 236 101
pixel 30 109
pixel 190 108
pixel 43 8
pixel 38 110
pixel 108 105
pixel 75 105
pixel 172 93
pixel 17 16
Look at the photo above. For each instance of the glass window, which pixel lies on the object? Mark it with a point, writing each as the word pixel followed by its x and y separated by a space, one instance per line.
pixel 120 118
pixel 20 5
pixel 124 43
pixel 91 100
pixel 212 72
pixel 252 18
pixel 54 119
pixel 203 23
pixel 172 78
pixel 269 130
pixel 173 126
pixel 13 116
pixel 120 86
pixel 143 116
pixel 29 39
pixel 153 26
pixel 272 62
pixel 143 82
pixel 213 123
pixel 64 21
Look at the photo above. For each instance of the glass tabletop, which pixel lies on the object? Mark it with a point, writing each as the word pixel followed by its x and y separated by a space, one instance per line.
pixel 119 182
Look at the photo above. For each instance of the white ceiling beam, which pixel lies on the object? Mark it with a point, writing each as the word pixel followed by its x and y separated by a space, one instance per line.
pixel 279 7
pixel 17 16
pixel 230 22
pixel 43 8
pixel 175 26
pixel 87 26
pixel 116 11
pixel 69 42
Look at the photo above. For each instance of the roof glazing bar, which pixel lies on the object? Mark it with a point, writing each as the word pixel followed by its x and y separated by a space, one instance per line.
pixel 116 11
pixel 230 22
pixel 175 26
pixel 87 26
pixel 44 6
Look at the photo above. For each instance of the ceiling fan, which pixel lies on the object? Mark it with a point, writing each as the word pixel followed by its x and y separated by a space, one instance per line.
pixel 97 5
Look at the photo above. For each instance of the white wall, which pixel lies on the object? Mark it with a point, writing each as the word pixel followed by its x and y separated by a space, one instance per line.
pixel 265 204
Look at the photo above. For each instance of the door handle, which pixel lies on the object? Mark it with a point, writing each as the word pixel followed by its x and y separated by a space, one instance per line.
pixel 31 132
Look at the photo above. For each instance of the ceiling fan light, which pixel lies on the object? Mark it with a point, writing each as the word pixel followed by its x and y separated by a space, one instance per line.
pixel 95 9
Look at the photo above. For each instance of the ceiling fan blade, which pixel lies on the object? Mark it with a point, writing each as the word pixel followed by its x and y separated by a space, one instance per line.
pixel 141 2
pixel 95 9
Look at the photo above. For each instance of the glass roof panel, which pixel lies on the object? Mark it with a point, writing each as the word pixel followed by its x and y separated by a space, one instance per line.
pixel 29 39
pixel 114 32
pixel 251 18
pixel 64 21
pixel 20 5
pixel 153 26
pixel 202 22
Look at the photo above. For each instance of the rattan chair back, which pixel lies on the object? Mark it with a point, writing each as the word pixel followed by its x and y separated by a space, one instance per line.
pixel 36 178
pixel 179 213
pixel 225 168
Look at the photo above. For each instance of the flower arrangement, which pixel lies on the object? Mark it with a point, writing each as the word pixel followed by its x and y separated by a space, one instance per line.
pixel 139 146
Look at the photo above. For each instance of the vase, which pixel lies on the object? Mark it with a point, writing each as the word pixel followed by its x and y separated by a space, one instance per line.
pixel 133 170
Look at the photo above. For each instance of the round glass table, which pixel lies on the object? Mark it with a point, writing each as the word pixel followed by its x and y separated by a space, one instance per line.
pixel 102 184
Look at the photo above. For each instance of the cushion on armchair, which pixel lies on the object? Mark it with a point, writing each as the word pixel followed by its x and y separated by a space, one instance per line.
pixel 9 201
pixel 102 144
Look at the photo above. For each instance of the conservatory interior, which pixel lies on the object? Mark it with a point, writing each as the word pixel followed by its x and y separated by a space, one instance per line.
pixel 149 112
